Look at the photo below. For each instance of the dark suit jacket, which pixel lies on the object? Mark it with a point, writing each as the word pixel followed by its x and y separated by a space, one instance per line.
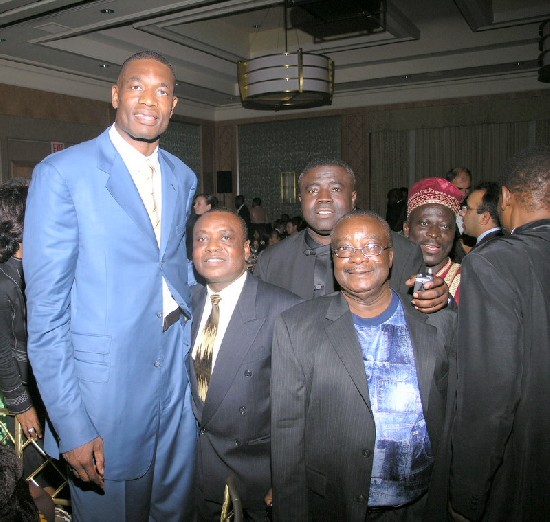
pixel 286 265
pixel 235 418
pixel 323 429
pixel 501 450
pixel 245 214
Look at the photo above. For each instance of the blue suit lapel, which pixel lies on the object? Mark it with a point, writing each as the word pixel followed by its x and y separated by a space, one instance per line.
pixel 169 198
pixel 122 187
pixel 343 337
pixel 241 332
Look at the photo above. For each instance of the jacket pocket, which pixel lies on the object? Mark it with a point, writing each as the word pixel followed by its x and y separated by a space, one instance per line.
pixel 260 440
pixel 316 482
pixel 92 357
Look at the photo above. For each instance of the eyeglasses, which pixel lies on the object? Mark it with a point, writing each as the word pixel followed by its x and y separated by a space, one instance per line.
pixel 370 250
pixel 466 207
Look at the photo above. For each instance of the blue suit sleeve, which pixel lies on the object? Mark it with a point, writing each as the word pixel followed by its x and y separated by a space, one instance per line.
pixel 51 240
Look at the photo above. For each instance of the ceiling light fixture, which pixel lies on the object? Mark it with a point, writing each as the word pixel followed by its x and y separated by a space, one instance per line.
pixel 295 80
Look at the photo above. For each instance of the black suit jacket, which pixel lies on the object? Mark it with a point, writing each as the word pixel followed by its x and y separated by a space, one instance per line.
pixel 323 429
pixel 245 214
pixel 501 450
pixel 234 420
pixel 286 265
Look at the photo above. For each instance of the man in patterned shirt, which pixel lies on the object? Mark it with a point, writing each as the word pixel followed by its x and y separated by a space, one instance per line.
pixel 359 394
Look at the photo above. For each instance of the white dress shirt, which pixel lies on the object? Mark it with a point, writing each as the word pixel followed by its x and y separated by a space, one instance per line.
pixel 136 163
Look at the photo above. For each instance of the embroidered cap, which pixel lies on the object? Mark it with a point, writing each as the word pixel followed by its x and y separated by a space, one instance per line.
pixel 434 190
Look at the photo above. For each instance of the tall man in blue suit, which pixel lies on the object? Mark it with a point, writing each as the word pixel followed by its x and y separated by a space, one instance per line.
pixel 108 307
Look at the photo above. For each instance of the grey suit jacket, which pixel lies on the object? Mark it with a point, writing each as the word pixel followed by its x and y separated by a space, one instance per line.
pixel 286 265
pixel 323 430
pixel 235 419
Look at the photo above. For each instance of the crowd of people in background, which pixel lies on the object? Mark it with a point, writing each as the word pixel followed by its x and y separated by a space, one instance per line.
pixel 338 366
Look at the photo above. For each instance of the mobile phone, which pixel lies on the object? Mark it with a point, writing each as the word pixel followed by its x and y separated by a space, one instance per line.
pixel 420 280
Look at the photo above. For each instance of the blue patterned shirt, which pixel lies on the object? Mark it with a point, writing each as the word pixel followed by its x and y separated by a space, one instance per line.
pixel 403 457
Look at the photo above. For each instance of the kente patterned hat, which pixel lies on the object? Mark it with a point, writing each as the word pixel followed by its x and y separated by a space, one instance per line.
pixel 434 190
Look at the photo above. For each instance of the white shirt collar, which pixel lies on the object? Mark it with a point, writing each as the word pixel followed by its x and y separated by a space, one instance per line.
pixel 129 154
pixel 232 292
pixel 481 236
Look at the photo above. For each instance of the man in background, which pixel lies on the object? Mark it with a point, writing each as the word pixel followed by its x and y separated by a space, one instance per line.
pixel 302 263
pixel 501 454
pixel 295 225
pixel 108 307
pixel 431 209
pixel 461 178
pixel 242 209
pixel 479 213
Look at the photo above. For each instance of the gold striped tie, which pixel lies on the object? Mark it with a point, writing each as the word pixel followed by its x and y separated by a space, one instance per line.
pixel 203 356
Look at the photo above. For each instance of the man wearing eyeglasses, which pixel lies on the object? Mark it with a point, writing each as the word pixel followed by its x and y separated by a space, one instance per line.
pixel 480 213
pixel 359 394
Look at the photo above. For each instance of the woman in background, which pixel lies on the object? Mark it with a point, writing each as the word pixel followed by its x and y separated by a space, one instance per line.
pixel 16 382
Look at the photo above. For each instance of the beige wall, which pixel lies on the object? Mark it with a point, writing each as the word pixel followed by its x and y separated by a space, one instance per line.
pixel 30 120
pixel 526 114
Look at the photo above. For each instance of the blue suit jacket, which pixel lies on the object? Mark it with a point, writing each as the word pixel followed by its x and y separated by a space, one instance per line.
pixel 93 271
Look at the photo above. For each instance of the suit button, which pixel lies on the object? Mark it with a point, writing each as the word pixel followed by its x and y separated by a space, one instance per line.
pixel 203 431
pixel 242 410
pixel 366 453
pixel 157 364
pixel 361 499
pixel 159 315
pixel 248 373
pixel 237 442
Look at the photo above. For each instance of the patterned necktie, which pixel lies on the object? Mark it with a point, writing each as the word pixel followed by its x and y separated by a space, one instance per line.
pixel 203 357
pixel 152 207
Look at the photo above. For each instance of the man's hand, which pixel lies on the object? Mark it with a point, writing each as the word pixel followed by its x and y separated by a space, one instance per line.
pixel 456 517
pixel 87 462
pixel 433 298
pixel 29 422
